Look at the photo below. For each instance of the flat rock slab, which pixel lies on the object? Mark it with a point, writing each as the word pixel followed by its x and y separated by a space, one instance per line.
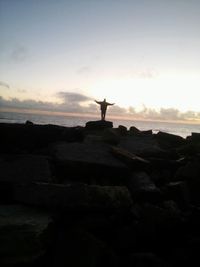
pixel 130 159
pixel 21 234
pixel 24 168
pixel 98 125
pixel 142 145
pixel 73 197
pixel 87 160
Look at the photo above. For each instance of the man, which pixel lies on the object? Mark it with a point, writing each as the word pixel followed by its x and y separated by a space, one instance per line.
pixel 103 106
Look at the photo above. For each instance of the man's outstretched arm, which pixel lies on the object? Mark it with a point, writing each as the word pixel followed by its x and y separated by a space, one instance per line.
pixel 110 104
pixel 98 102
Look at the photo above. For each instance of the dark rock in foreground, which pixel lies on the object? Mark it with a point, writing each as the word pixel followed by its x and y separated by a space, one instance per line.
pixel 24 168
pixel 167 140
pixel 75 161
pixel 77 247
pixel 73 197
pixel 24 234
pixel 143 189
pixel 117 197
pixel 26 138
pixel 143 145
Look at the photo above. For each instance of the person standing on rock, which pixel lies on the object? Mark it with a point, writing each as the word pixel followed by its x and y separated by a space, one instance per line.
pixel 103 107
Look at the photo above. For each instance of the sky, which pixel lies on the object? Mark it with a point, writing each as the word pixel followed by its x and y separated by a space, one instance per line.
pixel 142 55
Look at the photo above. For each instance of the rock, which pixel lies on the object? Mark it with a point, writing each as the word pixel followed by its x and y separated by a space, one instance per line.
pixel 195 137
pixel 83 161
pixel 24 235
pixel 29 122
pixel 179 192
pixel 24 168
pixel 143 189
pixel 191 173
pixel 98 125
pixel 134 131
pixel 167 140
pixel 79 248
pixel 125 238
pixel 162 224
pixel 122 130
pixel 131 160
pixel 147 132
pixel 161 177
pixel 146 259
pixel 192 145
pixel 73 134
pixel 169 164
pixel 111 136
pixel 143 145
pixel 74 197
pixel 23 138
pixel 6 192
pixel 190 149
pixel 93 138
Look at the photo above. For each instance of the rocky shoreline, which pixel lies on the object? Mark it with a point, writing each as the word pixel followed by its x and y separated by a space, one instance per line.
pixel 98 196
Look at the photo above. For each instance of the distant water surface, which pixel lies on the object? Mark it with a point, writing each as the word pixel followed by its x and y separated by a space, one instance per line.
pixel 174 128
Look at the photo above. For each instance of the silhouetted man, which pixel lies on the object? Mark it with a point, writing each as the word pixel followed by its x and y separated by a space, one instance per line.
pixel 103 106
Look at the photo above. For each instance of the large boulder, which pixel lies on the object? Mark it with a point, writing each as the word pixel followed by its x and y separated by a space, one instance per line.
pixel 179 192
pixel 24 168
pixel 195 137
pixel 143 188
pixel 83 161
pixel 146 259
pixel 73 197
pixel 98 125
pixel 134 131
pixel 143 145
pixel 169 141
pixel 17 138
pixel 111 136
pixel 191 174
pixel 122 130
pixel 76 247
pixel 24 235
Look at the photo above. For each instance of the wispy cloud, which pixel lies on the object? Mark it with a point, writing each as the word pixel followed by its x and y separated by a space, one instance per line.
pixel 72 98
pixel 5 85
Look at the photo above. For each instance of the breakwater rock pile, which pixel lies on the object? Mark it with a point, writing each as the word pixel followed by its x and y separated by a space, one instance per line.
pixel 98 196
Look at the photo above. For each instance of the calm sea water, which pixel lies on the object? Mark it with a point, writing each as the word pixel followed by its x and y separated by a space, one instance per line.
pixel 174 128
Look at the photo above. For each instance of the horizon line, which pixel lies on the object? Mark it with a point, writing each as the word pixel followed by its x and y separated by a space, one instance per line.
pixel 90 115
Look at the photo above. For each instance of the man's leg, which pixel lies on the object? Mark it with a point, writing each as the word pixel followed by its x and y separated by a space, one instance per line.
pixel 104 115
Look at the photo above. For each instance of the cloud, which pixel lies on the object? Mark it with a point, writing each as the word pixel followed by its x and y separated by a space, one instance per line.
pixel 117 110
pixel 72 102
pixel 5 85
pixel 73 98
pixel 79 103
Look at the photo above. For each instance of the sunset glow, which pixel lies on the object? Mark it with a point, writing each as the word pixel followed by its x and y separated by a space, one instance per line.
pixel 62 55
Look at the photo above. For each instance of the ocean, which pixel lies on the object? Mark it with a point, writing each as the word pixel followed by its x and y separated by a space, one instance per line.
pixel 182 129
